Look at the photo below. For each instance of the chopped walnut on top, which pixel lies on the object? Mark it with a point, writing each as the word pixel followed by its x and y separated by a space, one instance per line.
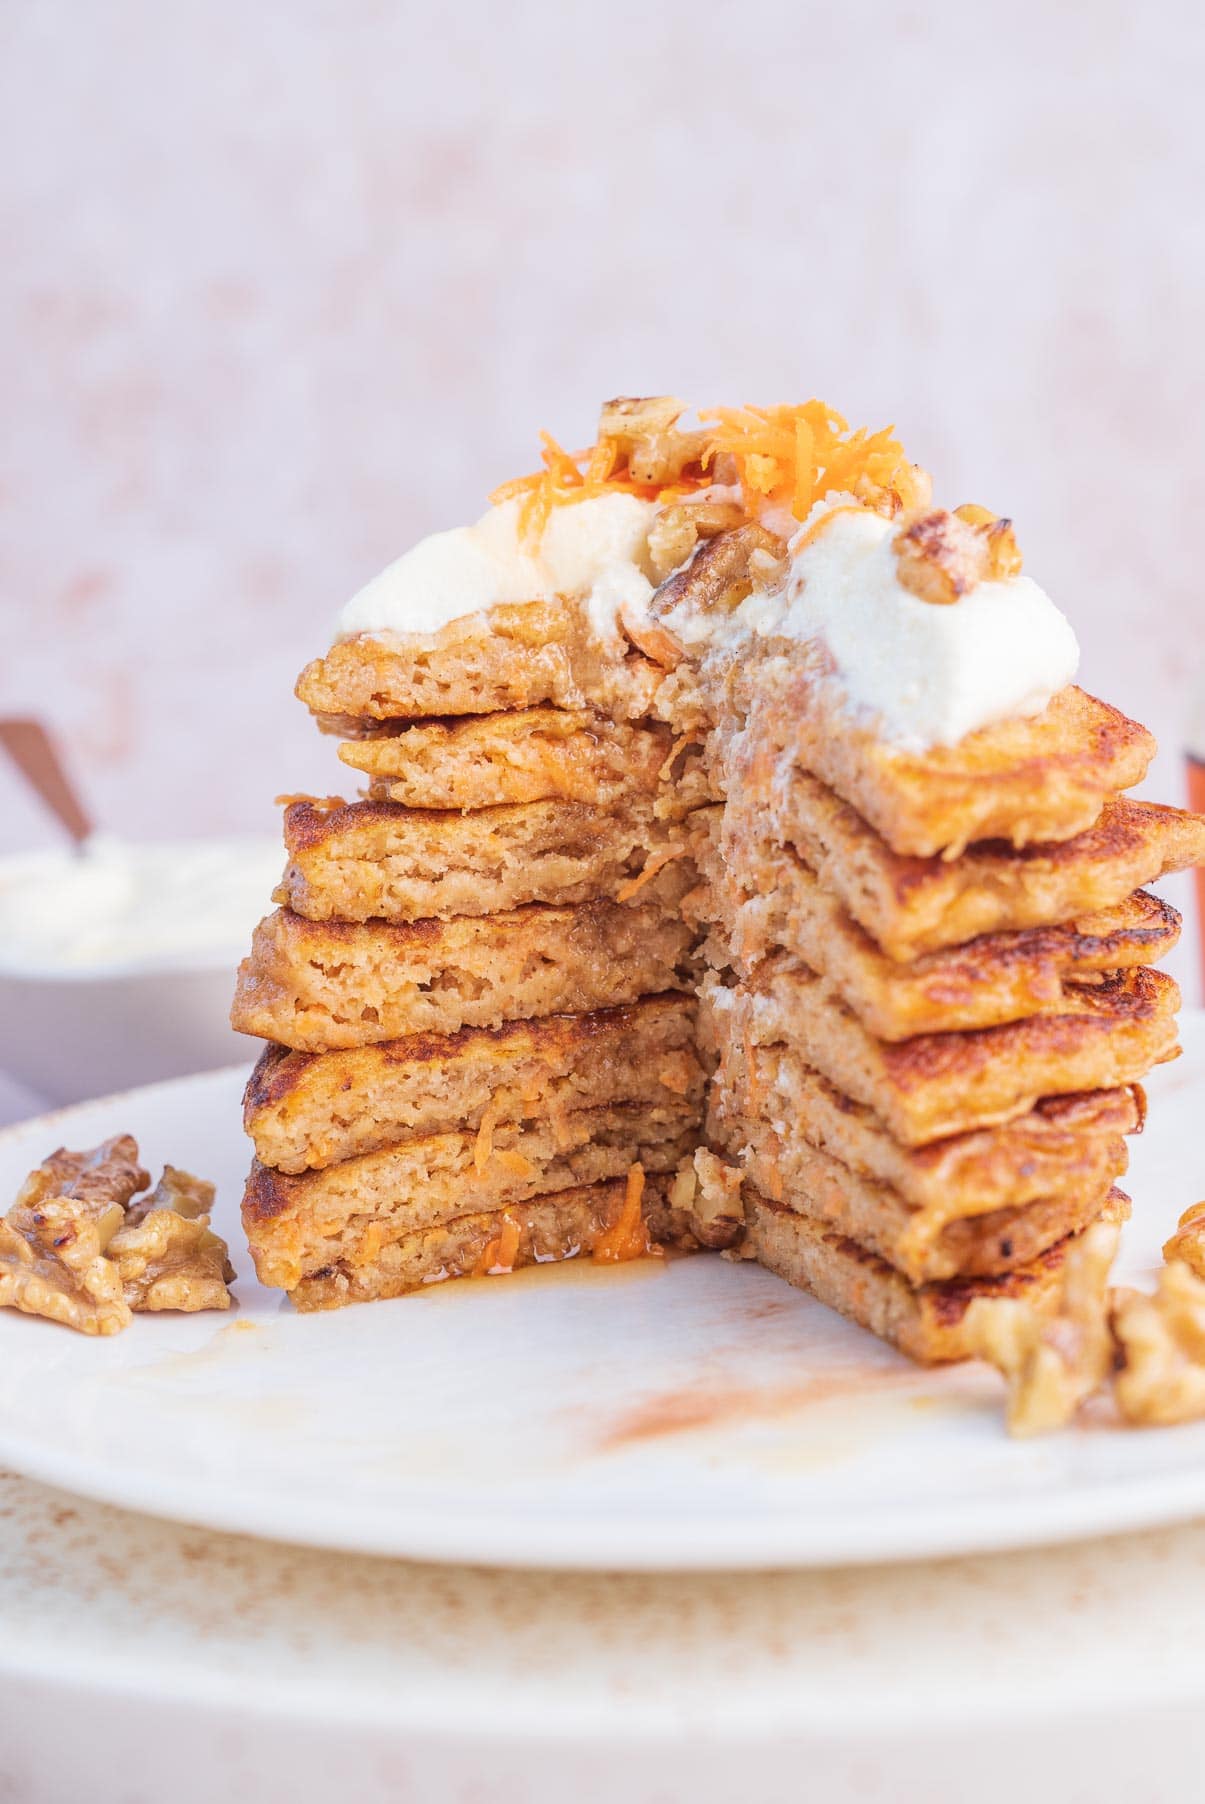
pixel 678 528
pixel 1052 1362
pixel 1003 554
pixel 942 556
pixel 166 1252
pixel 722 572
pixel 1161 1348
pixel 643 431
pixel 73 1249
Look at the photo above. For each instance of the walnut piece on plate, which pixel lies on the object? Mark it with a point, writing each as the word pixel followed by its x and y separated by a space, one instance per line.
pixel 1188 1241
pixel 1161 1344
pixel 1052 1362
pixel 709 1192
pixel 54 1239
pixel 166 1253
pixel 75 1248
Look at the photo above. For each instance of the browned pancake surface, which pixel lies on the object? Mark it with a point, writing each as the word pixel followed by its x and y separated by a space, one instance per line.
pixel 300 1223
pixel 912 906
pixel 926 1323
pixel 1024 781
pixel 777 902
pixel 1110 1033
pixel 312 1109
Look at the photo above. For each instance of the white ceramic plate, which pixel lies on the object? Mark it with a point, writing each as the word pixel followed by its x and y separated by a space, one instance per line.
pixel 685 1413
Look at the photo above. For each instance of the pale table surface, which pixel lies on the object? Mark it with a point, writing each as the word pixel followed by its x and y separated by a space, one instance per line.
pixel 141 1660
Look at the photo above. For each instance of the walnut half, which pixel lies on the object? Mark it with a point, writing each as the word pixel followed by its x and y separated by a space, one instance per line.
pixel 709 1192
pixel 54 1239
pixel 1052 1362
pixel 1188 1241
pixel 1161 1349
pixel 644 434
pixel 166 1253
pixel 75 1248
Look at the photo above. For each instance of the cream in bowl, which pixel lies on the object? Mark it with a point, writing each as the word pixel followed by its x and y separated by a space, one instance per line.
pixel 117 962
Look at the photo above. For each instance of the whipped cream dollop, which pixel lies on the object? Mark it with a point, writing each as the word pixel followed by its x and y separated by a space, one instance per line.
pixel 924 674
pixel 120 906
pixel 928 673
pixel 593 550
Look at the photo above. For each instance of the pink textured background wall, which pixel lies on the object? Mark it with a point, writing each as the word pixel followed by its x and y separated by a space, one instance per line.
pixel 285 285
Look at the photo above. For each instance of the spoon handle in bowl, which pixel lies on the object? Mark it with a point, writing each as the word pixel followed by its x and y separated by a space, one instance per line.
pixel 33 751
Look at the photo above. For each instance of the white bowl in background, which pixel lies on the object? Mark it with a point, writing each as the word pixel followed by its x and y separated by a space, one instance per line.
pixel 117 965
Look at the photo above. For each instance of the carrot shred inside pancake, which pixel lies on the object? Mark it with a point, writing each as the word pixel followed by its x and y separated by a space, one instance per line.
pixel 635 884
pixel 483 1147
pixel 498 1255
pixel 628 1236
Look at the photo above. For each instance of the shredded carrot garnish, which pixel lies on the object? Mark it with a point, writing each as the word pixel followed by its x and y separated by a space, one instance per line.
pixel 787 457
pixel 580 476
pixel 628 1236
pixel 635 884
pixel 676 1073
pixel 792 456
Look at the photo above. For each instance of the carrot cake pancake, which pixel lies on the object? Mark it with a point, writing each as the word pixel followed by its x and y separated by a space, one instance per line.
pixel 740 867
pixel 370 860
pixel 304 1110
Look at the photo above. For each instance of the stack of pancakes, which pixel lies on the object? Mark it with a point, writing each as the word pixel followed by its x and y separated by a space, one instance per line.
pixel 479 996
pixel 928 1042
pixel 642 943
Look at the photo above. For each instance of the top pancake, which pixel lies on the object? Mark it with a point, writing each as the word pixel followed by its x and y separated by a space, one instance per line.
pixel 516 655
pixel 1035 779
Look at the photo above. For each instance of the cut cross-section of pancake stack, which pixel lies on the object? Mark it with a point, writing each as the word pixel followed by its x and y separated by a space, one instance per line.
pixel 929 1045
pixel 660 921
pixel 478 991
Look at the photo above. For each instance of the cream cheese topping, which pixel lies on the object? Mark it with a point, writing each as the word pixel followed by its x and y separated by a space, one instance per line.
pixel 593 549
pixel 923 673
pixel 928 674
